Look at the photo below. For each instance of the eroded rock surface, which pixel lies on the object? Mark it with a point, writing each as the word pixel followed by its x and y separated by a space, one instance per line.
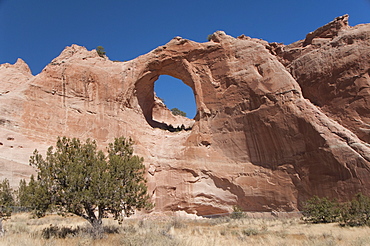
pixel 332 66
pixel 275 124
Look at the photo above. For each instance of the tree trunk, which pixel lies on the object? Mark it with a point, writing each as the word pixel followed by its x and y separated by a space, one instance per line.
pixel 2 232
pixel 98 230
pixel 96 222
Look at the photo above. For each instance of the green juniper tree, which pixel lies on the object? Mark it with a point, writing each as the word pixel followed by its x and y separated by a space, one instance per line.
pixel 352 213
pixel 176 111
pixel 357 211
pixel 6 203
pixel 6 199
pixel 33 196
pixel 321 210
pixel 77 178
pixel 100 50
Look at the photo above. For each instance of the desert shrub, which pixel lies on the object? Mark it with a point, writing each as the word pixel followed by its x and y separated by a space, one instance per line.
pixel 353 213
pixel 18 228
pixel 111 229
pixel 219 220
pixel 100 50
pixel 176 111
pixel 54 231
pixel 321 210
pixel 177 223
pixel 357 212
pixel 250 231
pixel 237 213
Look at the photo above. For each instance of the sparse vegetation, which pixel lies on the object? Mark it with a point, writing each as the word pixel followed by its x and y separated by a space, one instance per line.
pixel 6 199
pixel 54 231
pixel 100 50
pixel 6 203
pixel 176 111
pixel 77 178
pixel 162 230
pixel 250 231
pixel 237 213
pixel 324 210
pixel 357 212
pixel 321 210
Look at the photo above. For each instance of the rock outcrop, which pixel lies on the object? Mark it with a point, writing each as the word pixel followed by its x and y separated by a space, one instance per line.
pixel 275 124
pixel 332 66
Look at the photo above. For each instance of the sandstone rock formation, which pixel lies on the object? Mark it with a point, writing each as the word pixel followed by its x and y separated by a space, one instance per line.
pixel 275 124
pixel 332 67
pixel 15 147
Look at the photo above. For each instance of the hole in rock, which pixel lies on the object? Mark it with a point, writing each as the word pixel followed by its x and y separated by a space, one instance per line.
pixel 179 99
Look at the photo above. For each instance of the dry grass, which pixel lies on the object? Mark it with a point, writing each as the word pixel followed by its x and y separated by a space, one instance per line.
pixel 22 230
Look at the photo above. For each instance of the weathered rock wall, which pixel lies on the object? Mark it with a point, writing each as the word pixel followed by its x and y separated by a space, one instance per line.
pixel 266 136
pixel 332 67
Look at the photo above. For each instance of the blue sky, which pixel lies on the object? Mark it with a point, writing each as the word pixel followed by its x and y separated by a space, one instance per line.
pixel 38 30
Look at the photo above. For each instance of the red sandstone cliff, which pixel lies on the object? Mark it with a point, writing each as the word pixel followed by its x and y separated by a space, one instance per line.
pixel 275 125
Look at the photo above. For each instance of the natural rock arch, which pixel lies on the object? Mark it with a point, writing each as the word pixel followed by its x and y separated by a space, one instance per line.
pixel 144 86
pixel 257 142
pixel 175 95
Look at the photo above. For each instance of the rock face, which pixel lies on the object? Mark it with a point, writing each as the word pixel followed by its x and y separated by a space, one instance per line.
pixel 332 66
pixel 275 124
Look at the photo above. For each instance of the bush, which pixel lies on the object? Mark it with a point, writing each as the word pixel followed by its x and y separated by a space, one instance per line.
pixel 100 50
pixel 321 210
pixel 353 213
pixel 176 111
pixel 237 213
pixel 58 232
pixel 54 231
pixel 250 232
pixel 357 212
